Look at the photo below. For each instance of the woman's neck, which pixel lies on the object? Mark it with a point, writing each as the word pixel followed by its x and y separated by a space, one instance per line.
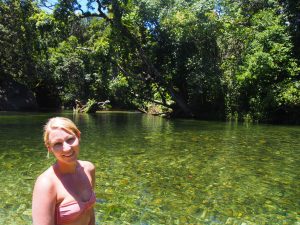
pixel 66 168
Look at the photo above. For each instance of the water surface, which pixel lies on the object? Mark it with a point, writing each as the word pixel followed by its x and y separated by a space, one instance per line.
pixel 156 171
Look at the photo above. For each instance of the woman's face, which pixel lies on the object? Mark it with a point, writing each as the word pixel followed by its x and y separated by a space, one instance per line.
pixel 64 145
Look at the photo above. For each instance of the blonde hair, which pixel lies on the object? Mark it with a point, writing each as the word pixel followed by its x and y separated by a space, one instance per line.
pixel 59 123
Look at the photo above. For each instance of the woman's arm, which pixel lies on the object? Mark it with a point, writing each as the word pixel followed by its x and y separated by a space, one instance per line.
pixel 92 221
pixel 92 174
pixel 89 169
pixel 43 201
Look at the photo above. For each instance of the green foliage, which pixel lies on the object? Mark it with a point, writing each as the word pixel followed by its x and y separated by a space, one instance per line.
pixel 91 106
pixel 257 62
pixel 73 71
pixel 289 94
pixel 120 93
pixel 18 41
pixel 181 41
pixel 234 59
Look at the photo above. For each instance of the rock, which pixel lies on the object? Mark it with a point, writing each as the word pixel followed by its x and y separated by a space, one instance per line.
pixel 16 97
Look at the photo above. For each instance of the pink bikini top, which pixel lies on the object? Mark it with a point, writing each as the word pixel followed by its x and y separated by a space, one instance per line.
pixel 70 211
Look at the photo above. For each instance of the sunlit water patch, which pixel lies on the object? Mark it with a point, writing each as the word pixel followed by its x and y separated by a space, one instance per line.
pixel 156 171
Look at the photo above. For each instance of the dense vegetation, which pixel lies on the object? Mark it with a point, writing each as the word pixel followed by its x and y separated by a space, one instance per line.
pixel 202 58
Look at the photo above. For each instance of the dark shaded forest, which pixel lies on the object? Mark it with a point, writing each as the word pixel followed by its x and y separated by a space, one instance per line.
pixel 214 59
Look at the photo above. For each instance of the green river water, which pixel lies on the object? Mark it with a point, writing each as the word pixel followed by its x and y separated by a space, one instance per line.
pixel 150 170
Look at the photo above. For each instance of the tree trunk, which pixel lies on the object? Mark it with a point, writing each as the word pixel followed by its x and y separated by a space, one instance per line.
pixel 151 70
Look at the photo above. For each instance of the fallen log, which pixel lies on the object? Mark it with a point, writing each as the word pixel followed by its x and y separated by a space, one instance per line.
pixel 90 107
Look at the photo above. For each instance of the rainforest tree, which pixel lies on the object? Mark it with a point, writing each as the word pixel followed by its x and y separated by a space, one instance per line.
pixel 204 59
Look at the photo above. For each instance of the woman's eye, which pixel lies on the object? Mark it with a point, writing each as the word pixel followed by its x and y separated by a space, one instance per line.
pixel 57 145
pixel 71 140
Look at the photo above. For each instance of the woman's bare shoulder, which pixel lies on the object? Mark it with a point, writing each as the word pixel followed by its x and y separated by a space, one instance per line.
pixel 45 181
pixel 87 165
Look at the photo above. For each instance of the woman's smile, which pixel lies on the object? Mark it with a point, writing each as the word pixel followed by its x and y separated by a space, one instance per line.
pixel 69 155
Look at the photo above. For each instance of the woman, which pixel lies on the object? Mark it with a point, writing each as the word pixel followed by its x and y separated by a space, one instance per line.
pixel 63 194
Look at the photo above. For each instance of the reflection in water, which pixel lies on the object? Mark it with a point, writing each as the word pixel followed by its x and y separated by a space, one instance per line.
pixel 156 171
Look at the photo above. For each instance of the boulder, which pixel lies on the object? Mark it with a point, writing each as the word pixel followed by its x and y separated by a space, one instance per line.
pixel 16 97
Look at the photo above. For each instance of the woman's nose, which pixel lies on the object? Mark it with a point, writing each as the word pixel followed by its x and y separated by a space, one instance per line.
pixel 66 146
